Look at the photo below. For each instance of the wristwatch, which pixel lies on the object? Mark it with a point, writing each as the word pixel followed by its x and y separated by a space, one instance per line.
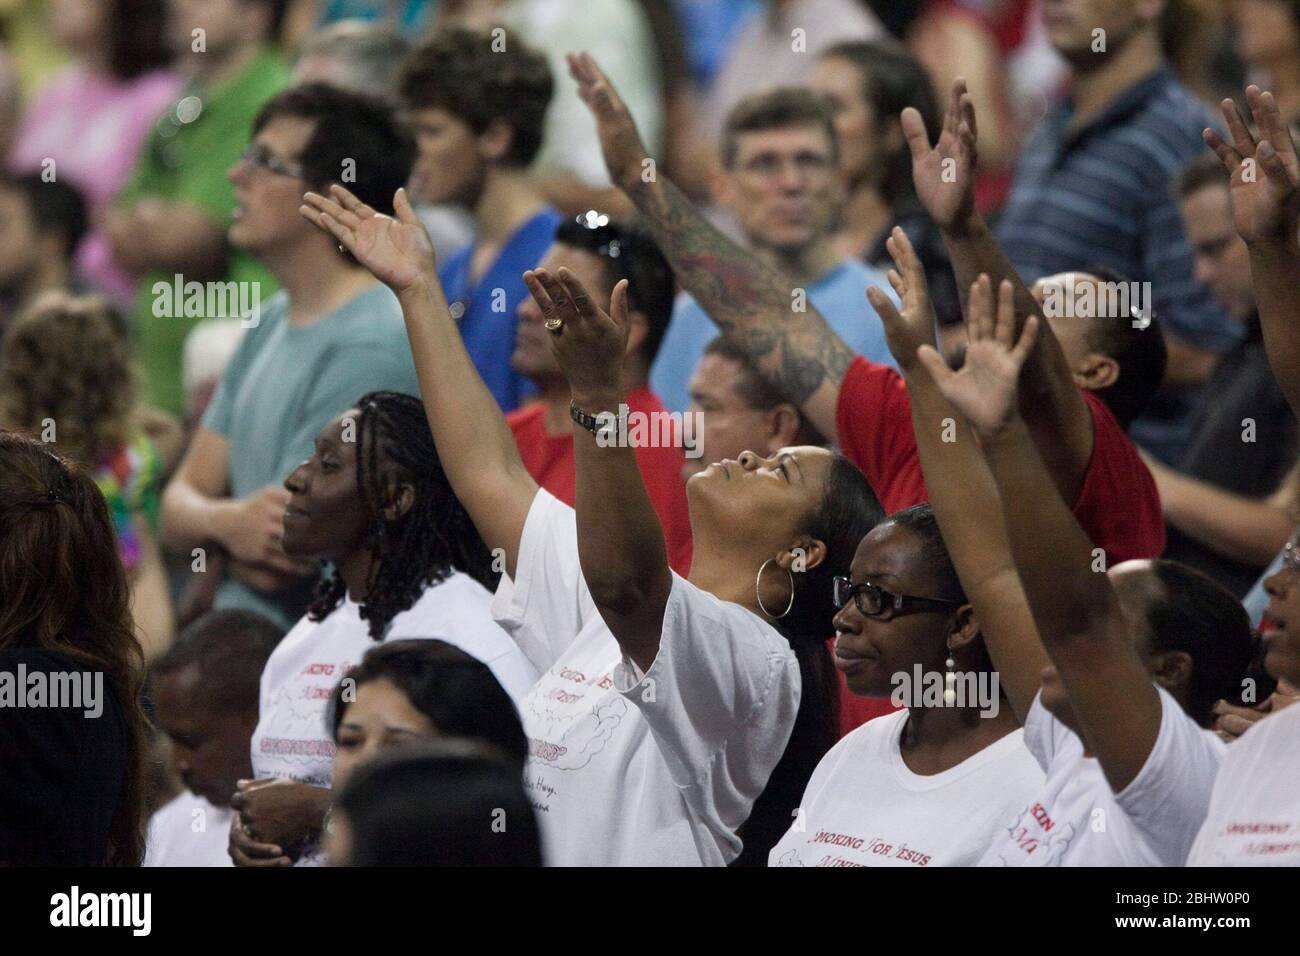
pixel 593 423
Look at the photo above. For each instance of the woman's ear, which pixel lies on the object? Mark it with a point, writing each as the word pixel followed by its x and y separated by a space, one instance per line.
pixel 805 555
pixel 400 503
pixel 965 629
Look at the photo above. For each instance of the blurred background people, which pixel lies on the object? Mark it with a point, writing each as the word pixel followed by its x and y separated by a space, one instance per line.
pixel 780 178
pixel 173 215
pixel 41 225
pixel 87 125
pixel 66 378
pixel 477 112
pixel 1225 499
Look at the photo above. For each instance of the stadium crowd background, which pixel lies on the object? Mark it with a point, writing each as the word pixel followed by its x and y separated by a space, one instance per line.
pixel 310 476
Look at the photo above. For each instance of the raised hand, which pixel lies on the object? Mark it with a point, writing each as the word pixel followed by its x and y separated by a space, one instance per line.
pixel 913 326
pixel 1265 172
pixel 985 388
pixel 620 142
pixel 396 251
pixel 945 174
pixel 588 343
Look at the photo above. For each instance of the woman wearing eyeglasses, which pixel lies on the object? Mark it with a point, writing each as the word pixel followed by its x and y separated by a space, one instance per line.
pixel 928 785
pixel 668 707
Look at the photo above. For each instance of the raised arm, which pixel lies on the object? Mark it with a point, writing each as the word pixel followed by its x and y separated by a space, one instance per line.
pixel 1075 608
pixel 962 491
pixel 1266 211
pixel 1057 415
pixel 620 541
pixel 475 445
pixel 751 305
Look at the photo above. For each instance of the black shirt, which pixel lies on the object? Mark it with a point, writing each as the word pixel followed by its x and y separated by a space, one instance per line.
pixel 1241 387
pixel 61 772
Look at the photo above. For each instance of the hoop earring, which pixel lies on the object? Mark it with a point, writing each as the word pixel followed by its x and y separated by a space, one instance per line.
pixel 758 591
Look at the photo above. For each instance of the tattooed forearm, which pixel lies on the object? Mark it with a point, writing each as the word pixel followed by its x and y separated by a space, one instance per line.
pixel 753 306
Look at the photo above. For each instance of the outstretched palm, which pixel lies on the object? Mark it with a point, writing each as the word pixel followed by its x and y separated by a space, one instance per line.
pixel 1265 182
pixel 397 252
pixel 912 326
pixel 985 388
pixel 620 142
pixel 945 175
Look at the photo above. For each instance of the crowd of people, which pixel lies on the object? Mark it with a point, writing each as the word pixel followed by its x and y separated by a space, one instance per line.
pixel 650 432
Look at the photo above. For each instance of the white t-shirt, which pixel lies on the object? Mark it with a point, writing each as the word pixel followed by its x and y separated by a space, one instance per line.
pixel 188 831
pixel 291 739
pixel 632 769
pixel 864 807
pixel 1077 820
pixel 1254 817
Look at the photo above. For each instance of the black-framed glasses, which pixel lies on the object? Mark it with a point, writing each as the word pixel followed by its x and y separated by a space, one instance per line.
pixel 261 158
pixel 874 601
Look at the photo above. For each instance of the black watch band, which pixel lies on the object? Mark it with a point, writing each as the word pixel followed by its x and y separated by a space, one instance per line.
pixel 593 423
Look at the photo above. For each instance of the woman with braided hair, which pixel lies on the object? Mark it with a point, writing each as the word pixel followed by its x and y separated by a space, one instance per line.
pixel 374 503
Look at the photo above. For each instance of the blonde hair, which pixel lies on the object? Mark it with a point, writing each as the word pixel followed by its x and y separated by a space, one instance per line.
pixel 66 360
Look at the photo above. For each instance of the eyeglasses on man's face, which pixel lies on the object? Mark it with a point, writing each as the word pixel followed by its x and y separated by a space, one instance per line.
pixel 872 600
pixel 260 157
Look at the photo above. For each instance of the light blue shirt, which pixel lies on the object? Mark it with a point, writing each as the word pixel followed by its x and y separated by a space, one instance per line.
pixel 283 386
pixel 840 296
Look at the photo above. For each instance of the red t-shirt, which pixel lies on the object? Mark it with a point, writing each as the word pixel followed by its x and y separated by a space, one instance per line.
pixel 1117 506
pixel 549 459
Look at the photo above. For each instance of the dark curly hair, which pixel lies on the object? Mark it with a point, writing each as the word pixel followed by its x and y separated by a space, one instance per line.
pixel 421 547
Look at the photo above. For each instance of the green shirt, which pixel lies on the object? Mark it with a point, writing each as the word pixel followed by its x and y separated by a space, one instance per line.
pixel 187 160
pixel 284 384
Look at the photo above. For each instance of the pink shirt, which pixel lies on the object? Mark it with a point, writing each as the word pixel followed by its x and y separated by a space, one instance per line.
pixel 93 126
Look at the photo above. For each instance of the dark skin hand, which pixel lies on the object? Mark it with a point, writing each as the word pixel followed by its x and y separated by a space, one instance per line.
pixel 276 813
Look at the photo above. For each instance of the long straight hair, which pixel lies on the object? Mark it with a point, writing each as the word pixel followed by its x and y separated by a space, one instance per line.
pixel 63 590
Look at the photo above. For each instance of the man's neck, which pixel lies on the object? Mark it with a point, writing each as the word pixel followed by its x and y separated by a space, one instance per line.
pixel 866 215
pixel 804 266
pixel 1115 73
pixel 318 280
pixel 211 71
pixel 509 199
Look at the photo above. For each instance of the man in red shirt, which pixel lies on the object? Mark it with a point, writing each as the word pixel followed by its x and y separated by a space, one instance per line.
pixel 600 253
pixel 1074 369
